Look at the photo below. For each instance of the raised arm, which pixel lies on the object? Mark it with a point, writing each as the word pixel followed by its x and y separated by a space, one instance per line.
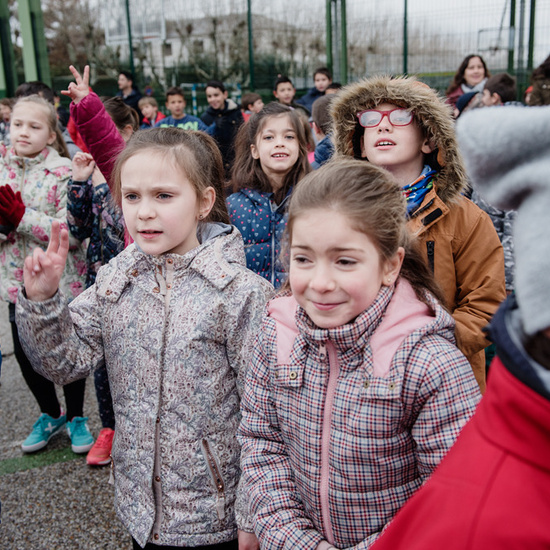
pixel 94 124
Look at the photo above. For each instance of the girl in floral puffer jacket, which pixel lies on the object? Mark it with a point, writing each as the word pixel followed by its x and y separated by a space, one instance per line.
pixel 33 193
pixel 173 317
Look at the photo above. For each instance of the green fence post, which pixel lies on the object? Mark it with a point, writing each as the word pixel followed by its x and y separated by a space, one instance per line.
pixel 8 75
pixel 512 45
pixel 35 54
pixel 344 52
pixel 329 34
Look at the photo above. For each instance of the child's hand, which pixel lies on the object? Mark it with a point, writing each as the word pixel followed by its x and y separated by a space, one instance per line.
pixel 77 92
pixel 83 166
pixel 42 271
pixel 247 541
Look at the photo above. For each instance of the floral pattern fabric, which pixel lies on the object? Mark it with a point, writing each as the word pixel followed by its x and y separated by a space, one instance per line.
pixel 176 334
pixel 42 181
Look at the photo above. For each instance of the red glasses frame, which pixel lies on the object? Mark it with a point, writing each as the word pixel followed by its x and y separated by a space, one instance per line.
pixel 383 114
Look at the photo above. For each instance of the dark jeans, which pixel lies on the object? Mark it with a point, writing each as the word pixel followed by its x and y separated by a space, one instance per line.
pixel 42 388
pixel 231 545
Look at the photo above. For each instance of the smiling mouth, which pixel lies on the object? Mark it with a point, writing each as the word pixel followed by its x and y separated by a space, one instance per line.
pixel 325 307
pixel 280 156
pixel 384 143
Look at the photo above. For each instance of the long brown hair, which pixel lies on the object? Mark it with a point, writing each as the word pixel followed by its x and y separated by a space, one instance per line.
pixel 373 203
pixel 247 171
pixel 195 154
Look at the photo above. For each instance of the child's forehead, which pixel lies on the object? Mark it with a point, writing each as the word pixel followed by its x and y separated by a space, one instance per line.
pixel 172 97
pixel 27 109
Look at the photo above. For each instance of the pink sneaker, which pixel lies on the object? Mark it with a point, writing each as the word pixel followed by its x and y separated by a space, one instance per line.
pixel 100 453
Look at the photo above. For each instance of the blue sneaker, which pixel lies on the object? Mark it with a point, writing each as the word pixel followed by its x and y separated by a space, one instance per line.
pixel 42 431
pixel 81 438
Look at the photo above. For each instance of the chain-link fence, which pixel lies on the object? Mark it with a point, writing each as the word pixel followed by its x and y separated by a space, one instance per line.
pixel 178 41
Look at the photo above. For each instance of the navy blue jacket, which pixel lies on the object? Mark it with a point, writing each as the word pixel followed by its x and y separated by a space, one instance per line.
pixel 308 99
pixel 227 122
pixel 261 224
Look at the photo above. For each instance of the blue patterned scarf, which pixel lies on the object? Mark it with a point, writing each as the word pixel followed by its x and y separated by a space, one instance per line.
pixel 416 191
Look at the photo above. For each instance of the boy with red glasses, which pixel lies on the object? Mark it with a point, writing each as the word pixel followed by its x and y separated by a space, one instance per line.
pixel 404 126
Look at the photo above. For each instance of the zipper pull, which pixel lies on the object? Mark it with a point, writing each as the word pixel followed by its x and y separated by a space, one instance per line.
pixel 220 506
pixel 322 352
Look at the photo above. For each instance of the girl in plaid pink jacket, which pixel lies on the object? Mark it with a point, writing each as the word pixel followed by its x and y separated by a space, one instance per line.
pixel 356 389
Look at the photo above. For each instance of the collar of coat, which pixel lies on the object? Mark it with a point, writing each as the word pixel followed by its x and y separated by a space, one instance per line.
pixel 218 259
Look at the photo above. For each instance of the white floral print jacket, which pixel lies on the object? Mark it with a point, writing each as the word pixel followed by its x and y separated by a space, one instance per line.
pixel 175 332
pixel 42 181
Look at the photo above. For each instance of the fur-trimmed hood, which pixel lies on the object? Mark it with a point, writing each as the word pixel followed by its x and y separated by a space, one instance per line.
pixel 430 110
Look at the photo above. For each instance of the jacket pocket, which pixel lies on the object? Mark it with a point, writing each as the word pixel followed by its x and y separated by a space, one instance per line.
pixel 216 476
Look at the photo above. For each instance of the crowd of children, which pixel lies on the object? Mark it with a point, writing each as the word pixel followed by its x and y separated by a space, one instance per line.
pixel 283 305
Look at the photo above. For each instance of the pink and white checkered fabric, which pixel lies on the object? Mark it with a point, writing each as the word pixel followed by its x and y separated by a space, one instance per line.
pixel 386 434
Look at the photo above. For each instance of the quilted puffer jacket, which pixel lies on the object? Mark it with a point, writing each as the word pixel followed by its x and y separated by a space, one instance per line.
pixel 341 427
pixel 42 182
pixel 262 224
pixel 175 333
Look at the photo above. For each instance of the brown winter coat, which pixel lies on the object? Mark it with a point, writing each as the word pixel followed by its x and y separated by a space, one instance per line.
pixel 457 238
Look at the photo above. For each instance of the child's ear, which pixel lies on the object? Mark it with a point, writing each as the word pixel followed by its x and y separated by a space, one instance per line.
pixel 392 267
pixel 225 94
pixel 427 146
pixel 52 138
pixel 254 152
pixel 207 202
pixel 276 94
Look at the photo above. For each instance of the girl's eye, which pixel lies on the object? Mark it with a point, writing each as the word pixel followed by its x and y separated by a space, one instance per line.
pixel 164 196
pixel 290 136
pixel 346 262
pixel 130 197
pixel 300 259
pixel 267 138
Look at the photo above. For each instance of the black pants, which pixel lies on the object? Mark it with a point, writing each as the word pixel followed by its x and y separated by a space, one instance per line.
pixel 231 545
pixel 42 388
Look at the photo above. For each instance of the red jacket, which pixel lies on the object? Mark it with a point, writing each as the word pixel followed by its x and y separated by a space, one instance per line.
pixel 492 490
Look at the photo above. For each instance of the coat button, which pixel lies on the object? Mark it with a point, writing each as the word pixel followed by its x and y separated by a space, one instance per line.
pixel 391 385
pixel 157 478
pixel 108 291
pixel 135 272
pixel 366 384
pixel 156 536
pixel 169 261
pixel 293 375
pixel 156 290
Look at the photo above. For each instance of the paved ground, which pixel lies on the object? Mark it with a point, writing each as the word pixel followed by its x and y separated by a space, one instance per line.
pixel 51 500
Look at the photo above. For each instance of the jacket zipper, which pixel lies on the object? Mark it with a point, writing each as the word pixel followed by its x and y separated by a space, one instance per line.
pixel 430 246
pixel 272 245
pixel 217 477
pixel 22 185
pixel 334 370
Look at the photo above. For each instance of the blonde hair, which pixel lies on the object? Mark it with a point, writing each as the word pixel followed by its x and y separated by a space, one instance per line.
pixel 51 120
pixel 373 203
pixel 148 100
pixel 195 154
